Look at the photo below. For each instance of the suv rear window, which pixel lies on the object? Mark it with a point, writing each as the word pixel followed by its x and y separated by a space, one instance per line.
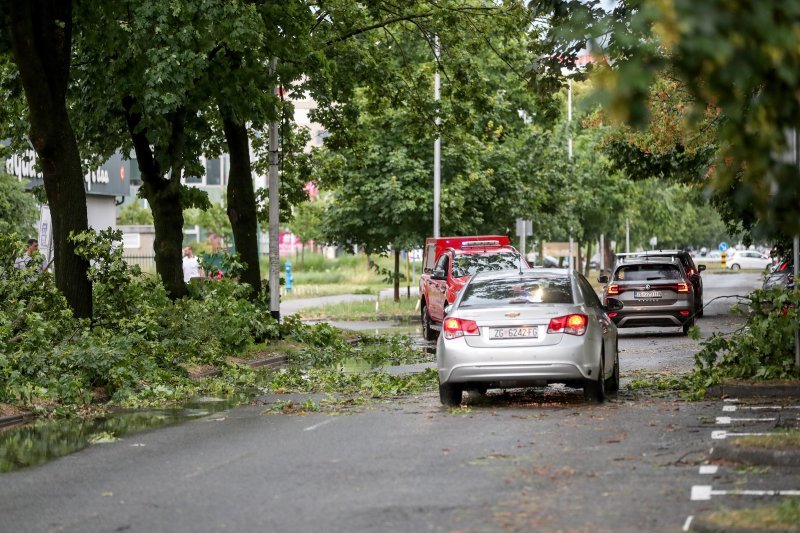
pixel 488 293
pixel 469 264
pixel 647 272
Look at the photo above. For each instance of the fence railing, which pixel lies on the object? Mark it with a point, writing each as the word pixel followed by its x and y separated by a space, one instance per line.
pixel 146 262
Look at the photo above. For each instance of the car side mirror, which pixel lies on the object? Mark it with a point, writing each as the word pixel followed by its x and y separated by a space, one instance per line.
pixel 602 279
pixel 613 304
pixel 439 274
pixel 701 268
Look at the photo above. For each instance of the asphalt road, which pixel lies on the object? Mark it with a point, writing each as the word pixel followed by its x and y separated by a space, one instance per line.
pixel 536 460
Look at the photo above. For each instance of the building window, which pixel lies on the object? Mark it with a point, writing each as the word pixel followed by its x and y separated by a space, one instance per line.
pixel 213 172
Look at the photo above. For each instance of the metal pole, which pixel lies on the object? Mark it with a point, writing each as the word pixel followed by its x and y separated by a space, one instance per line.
pixel 274 220
pixel 627 236
pixel 602 254
pixel 437 146
pixel 570 252
pixel 569 118
pixel 796 252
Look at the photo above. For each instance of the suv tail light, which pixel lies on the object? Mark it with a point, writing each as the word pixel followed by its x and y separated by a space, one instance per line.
pixel 683 287
pixel 613 289
pixel 458 327
pixel 569 324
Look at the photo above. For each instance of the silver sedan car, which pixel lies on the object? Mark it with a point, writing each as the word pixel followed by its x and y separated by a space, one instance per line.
pixel 527 328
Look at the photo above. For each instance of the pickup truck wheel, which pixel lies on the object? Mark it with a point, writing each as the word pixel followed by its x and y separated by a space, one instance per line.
pixel 428 332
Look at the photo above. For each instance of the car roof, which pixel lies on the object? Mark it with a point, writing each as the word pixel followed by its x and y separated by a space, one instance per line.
pixel 650 260
pixel 525 273
pixel 480 250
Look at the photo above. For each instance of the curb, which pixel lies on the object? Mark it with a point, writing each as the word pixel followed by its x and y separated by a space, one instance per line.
pixel 765 390
pixel 756 456
pixel 275 361
pixel 704 526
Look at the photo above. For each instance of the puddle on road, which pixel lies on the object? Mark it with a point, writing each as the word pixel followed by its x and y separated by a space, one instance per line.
pixel 43 440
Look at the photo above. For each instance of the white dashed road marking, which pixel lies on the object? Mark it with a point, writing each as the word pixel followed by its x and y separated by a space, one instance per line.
pixel 708 469
pixel 722 434
pixel 705 492
pixel 688 523
pixel 315 426
pixel 725 420
pixel 732 408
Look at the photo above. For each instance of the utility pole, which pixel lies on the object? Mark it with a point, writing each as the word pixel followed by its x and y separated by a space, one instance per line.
pixel 569 118
pixel 274 219
pixel 437 145
pixel 627 236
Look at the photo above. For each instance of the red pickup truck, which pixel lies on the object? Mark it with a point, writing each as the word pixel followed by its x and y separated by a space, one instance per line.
pixel 448 262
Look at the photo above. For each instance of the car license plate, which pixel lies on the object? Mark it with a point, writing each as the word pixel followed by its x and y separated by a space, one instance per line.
pixel 647 294
pixel 518 332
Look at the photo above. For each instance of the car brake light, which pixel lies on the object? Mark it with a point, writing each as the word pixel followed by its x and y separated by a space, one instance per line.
pixel 612 315
pixel 569 324
pixel 683 287
pixel 458 327
pixel 684 313
pixel 613 289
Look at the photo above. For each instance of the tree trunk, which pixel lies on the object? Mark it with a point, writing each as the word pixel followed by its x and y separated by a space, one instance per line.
pixel 242 201
pixel 588 261
pixel 41 40
pixel 396 275
pixel 163 195
pixel 579 259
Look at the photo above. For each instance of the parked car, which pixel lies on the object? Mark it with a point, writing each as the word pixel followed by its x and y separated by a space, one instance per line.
pixel 692 271
pixel 781 276
pixel 448 262
pixel 713 255
pixel 654 291
pixel 527 328
pixel 748 259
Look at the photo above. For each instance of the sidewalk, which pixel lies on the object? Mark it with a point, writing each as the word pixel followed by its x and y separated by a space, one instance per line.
pixel 291 307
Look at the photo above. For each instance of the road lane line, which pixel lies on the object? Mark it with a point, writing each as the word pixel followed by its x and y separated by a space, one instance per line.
pixel 728 408
pixel 725 420
pixel 722 434
pixel 708 469
pixel 705 492
pixel 315 426
pixel 688 523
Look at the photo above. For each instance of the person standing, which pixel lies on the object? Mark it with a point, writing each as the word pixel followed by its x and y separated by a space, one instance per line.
pixel 33 248
pixel 191 265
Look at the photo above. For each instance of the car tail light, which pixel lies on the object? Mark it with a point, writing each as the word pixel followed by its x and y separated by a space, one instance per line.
pixel 683 287
pixel 458 327
pixel 612 315
pixel 613 289
pixel 684 313
pixel 569 324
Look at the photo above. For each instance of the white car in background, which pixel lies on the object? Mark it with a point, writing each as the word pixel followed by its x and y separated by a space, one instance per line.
pixel 748 259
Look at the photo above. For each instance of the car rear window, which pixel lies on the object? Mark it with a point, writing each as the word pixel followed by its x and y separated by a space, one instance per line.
pixel 493 292
pixel 469 264
pixel 647 272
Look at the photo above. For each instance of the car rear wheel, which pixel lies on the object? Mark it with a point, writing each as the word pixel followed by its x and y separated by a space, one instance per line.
pixel 595 390
pixel 428 332
pixel 450 394
pixel 699 312
pixel 735 266
pixel 612 383
pixel 687 326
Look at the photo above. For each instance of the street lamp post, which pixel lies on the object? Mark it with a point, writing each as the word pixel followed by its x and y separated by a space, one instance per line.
pixel 437 145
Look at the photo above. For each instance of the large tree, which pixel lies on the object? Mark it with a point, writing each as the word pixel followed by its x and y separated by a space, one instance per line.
pixel 39 34
pixel 740 61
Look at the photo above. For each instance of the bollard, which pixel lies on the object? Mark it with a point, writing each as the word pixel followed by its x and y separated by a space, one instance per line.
pixel 289 276
pixel 722 260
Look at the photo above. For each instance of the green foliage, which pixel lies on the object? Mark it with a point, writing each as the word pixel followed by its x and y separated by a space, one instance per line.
pixel 762 350
pixel 138 345
pixel 18 212
pixel 135 214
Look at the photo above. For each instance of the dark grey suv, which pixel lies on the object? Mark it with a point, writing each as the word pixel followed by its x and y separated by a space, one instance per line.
pixel 654 291
pixel 692 271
